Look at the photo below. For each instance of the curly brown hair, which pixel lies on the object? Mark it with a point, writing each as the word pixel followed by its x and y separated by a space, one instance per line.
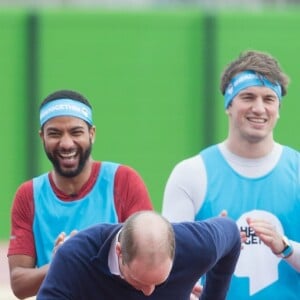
pixel 260 62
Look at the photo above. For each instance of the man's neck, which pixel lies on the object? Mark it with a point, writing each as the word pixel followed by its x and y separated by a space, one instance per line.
pixel 72 186
pixel 248 149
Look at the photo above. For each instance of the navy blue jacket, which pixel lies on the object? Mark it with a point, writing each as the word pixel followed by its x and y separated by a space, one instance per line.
pixel 79 270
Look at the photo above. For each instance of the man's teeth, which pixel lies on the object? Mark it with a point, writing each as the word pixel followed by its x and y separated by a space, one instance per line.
pixel 68 155
pixel 257 120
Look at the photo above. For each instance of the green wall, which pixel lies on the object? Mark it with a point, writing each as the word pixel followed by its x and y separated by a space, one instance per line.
pixel 141 71
pixel 152 78
pixel 13 120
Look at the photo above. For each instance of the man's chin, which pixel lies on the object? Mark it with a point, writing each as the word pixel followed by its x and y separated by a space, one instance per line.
pixel 68 172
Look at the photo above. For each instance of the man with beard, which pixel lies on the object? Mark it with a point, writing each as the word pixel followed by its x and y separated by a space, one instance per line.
pixel 79 192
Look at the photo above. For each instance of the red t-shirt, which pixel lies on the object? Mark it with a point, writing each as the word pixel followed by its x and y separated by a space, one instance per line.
pixel 130 194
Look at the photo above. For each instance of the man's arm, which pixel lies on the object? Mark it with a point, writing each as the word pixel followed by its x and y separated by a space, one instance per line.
pixel 268 233
pixel 227 241
pixel 294 259
pixel 130 192
pixel 57 273
pixel 24 277
pixel 69 268
pixel 184 191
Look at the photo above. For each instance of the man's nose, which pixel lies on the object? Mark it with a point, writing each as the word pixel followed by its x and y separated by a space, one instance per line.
pixel 258 105
pixel 147 291
pixel 66 141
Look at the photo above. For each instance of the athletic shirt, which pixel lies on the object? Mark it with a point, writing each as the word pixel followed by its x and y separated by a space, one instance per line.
pixel 275 196
pixel 52 217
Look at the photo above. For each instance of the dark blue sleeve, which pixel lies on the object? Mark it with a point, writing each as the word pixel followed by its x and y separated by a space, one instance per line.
pixel 227 241
pixel 56 284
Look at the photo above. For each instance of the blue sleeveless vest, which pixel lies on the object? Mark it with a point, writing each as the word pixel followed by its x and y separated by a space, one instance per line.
pixel 260 275
pixel 52 215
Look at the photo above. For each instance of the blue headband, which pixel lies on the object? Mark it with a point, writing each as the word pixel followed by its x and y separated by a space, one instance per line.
pixel 246 79
pixel 65 107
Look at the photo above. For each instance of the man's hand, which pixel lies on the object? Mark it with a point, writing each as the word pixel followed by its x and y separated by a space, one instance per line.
pixel 196 292
pixel 267 233
pixel 62 237
pixel 223 213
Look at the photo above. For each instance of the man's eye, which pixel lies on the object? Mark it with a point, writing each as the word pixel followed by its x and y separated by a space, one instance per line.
pixel 270 100
pixel 53 134
pixel 247 98
pixel 77 133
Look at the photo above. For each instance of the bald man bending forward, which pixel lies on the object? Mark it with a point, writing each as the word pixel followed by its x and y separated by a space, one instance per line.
pixel 145 258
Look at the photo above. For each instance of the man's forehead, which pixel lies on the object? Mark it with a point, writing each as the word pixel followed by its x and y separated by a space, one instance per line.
pixel 148 275
pixel 258 90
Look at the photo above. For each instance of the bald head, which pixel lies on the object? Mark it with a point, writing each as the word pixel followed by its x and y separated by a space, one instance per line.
pixel 146 251
pixel 148 236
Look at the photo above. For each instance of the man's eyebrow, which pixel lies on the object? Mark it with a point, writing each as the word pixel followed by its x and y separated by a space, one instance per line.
pixel 248 93
pixel 244 93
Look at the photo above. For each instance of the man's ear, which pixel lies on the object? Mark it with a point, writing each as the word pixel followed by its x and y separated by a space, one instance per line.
pixel 118 249
pixel 92 134
pixel 41 134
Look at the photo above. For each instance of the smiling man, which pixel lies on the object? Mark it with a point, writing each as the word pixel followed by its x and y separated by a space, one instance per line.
pixel 77 193
pixel 251 177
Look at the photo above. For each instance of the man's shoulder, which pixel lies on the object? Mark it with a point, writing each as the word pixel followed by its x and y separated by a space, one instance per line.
pixel 289 150
pixel 25 187
pixel 119 167
pixel 209 225
pixel 212 233
pixel 189 163
pixel 89 239
pixel 196 160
